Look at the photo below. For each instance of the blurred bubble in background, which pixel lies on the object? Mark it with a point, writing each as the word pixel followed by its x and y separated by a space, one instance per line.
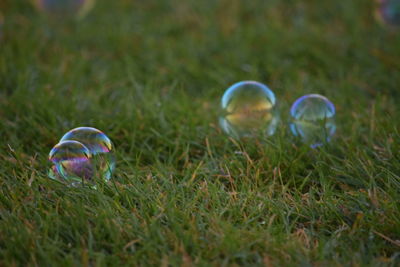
pixel 388 12
pixel 64 8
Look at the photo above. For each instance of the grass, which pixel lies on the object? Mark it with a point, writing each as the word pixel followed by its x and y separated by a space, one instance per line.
pixel 150 74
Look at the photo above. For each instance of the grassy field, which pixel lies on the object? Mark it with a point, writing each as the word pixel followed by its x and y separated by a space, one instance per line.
pixel 150 74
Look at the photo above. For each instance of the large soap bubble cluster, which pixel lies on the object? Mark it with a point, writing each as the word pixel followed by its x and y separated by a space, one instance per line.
pixel 82 156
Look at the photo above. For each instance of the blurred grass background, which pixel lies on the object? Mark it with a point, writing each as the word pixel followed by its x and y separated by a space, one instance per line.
pixel 150 74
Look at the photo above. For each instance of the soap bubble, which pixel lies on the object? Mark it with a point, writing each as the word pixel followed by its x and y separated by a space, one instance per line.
pixel 100 147
pixel 249 108
pixel 64 8
pixel 388 12
pixel 71 161
pixel 312 119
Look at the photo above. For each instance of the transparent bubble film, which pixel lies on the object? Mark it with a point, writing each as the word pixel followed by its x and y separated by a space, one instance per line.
pixel 53 173
pixel 64 8
pixel 388 12
pixel 312 119
pixel 100 147
pixel 72 163
pixel 249 109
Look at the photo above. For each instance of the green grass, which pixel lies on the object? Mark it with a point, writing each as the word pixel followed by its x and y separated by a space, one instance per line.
pixel 150 74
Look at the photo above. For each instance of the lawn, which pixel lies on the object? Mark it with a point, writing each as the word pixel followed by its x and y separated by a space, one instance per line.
pixel 150 74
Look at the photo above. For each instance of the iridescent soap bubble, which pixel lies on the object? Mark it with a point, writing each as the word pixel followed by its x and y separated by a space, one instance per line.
pixel 100 147
pixel 72 163
pixel 312 119
pixel 388 12
pixel 249 109
pixel 64 8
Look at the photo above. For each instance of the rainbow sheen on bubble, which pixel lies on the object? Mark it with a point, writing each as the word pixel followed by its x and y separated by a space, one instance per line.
pixel 72 163
pixel 64 8
pixel 388 12
pixel 53 173
pixel 100 147
pixel 249 109
pixel 312 119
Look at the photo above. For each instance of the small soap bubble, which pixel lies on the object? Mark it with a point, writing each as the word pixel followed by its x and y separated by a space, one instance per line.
pixel 248 109
pixel 64 8
pixel 312 119
pixel 388 12
pixel 72 163
pixel 100 147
